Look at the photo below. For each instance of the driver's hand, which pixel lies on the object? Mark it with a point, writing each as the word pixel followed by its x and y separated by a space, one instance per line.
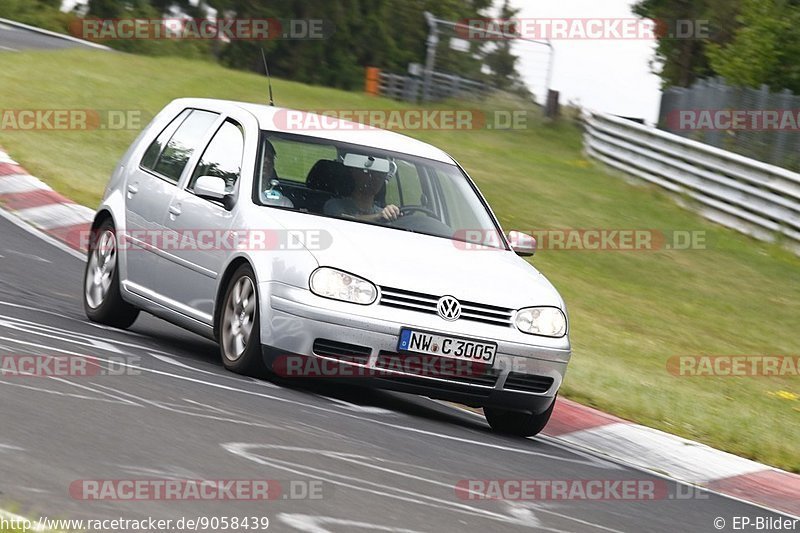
pixel 390 212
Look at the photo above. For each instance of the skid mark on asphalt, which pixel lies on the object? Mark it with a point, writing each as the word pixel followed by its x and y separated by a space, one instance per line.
pixel 515 516
pixel 96 391
pixel 183 410
pixel 179 364
pixel 29 256
pixel 167 472
pixel 59 393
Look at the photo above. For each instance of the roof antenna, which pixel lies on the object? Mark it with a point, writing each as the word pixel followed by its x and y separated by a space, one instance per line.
pixel 266 67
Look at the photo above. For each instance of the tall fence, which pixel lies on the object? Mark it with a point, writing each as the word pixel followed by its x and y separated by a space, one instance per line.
pixel 752 197
pixel 410 88
pixel 776 146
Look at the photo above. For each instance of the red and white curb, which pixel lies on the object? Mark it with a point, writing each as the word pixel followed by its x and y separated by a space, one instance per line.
pixel 645 448
pixel 30 200
pixel 674 457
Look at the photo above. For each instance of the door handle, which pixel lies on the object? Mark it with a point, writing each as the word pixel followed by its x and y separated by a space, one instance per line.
pixel 133 188
pixel 175 210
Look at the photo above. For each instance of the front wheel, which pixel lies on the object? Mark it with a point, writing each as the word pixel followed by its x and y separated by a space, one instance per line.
pixel 239 333
pixel 102 300
pixel 519 423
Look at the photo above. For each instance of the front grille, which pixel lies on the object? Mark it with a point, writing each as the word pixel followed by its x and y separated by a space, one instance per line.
pixel 528 383
pixel 438 367
pixel 340 350
pixel 426 303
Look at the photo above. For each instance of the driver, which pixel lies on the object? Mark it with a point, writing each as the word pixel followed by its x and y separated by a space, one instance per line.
pixel 361 203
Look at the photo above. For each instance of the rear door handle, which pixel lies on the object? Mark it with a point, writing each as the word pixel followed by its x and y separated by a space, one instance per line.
pixel 175 210
pixel 133 188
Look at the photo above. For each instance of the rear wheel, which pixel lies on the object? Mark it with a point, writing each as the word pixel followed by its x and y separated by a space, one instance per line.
pixel 520 423
pixel 239 332
pixel 102 300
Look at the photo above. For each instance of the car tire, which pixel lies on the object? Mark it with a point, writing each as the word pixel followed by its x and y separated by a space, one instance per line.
pixel 239 321
pixel 102 300
pixel 519 423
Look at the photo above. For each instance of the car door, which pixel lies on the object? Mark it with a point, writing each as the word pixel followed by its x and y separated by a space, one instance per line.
pixel 150 188
pixel 201 227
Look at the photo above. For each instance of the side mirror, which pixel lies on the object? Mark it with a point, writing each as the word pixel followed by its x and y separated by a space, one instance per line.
pixel 523 244
pixel 213 188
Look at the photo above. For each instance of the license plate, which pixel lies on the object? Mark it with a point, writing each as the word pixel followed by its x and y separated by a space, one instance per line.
pixel 420 342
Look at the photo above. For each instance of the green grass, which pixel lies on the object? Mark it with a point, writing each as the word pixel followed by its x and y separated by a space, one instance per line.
pixel 629 312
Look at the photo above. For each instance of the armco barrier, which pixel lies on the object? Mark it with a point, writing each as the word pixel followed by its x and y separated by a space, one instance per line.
pixel 749 196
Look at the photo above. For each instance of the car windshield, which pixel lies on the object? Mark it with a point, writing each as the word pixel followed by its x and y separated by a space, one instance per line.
pixel 369 186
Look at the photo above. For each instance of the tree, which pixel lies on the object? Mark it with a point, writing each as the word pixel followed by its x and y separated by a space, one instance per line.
pixel 387 34
pixel 500 58
pixel 684 60
pixel 765 48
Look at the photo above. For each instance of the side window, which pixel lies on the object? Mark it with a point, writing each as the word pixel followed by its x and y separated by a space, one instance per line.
pixel 223 156
pixel 155 148
pixel 182 145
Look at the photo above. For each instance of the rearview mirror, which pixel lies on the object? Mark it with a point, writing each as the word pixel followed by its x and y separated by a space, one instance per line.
pixel 523 244
pixel 367 162
pixel 213 188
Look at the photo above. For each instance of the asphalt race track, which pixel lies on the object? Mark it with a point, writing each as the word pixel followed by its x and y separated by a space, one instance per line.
pixel 378 461
pixel 14 39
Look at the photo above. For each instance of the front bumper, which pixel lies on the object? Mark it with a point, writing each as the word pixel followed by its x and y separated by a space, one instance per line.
pixel 294 318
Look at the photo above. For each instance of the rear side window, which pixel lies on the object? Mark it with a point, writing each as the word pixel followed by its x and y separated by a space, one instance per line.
pixel 223 157
pixel 156 147
pixel 181 145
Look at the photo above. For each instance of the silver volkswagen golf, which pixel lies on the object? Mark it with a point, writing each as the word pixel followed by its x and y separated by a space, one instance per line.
pixel 332 251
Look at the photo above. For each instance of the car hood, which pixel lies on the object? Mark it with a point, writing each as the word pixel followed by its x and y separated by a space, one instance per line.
pixel 422 263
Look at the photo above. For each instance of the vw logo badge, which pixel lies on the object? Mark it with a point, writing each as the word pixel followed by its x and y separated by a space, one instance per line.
pixel 448 308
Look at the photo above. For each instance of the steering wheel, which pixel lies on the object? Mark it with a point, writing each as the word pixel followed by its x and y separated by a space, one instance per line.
pixel 407 209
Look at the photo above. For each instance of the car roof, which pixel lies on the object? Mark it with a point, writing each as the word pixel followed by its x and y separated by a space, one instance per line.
pixel 273 118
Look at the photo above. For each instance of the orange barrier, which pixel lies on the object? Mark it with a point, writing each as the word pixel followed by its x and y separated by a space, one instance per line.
pixel 372 81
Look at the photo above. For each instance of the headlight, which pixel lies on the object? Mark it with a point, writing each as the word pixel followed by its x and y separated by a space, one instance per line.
pixel 332 283
pixel 544 321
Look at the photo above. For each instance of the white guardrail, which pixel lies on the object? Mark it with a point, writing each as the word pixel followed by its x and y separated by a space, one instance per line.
pixel 749 196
